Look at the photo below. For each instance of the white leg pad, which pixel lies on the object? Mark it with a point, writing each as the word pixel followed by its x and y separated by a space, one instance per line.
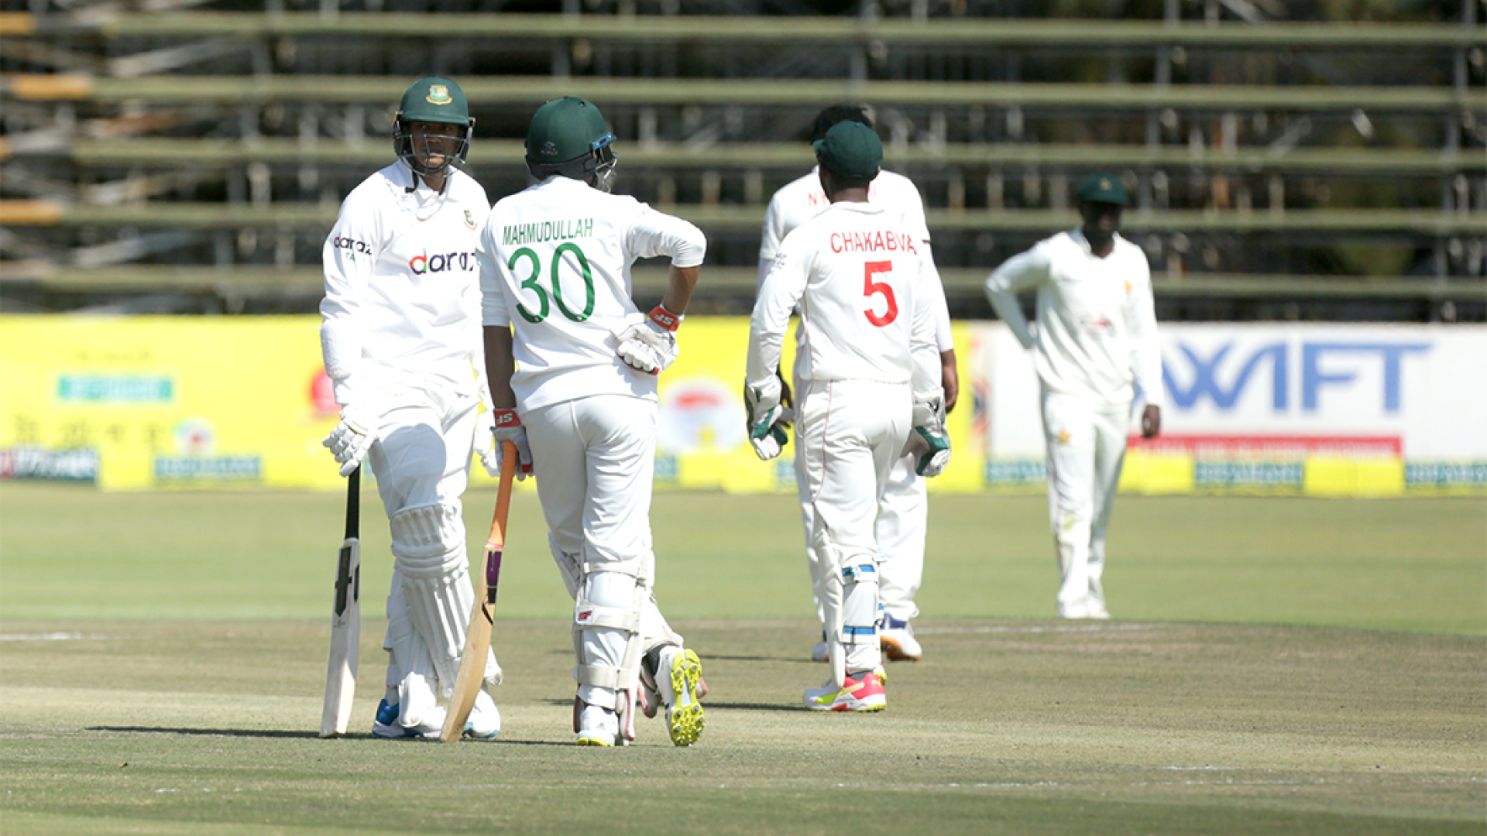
pixel 607 618
pixel 850 603
pixel 428 544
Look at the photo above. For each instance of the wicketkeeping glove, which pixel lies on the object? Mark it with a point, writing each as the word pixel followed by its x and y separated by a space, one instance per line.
pixel 650 346
pixel 928 441
pixel 505 425
pixel 767 419
pixel 352 437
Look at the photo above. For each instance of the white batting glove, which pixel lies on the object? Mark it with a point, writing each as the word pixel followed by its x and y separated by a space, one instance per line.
pixel 506 426
pixel 650 346
pixel 352 437
pixel 767 418
pixel 929 442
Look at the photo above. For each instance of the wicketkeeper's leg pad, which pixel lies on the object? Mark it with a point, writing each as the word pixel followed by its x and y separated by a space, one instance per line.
pixel 850 601
pixel 428 545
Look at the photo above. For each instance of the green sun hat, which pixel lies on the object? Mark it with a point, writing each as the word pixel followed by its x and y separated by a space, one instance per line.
pixel 434 99
pixel 1101 188
pixel 851 150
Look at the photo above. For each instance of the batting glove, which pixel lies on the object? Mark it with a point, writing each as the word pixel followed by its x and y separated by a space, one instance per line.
pixel 650 346
pixel 506 426
pixel 352 437
pixel 767 419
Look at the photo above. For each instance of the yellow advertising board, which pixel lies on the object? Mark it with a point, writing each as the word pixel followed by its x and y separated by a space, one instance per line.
pixel 165 402
pixel 193 402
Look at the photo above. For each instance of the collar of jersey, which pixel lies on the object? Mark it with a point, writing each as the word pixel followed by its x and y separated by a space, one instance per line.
pixel 860 208
pixel 1077 236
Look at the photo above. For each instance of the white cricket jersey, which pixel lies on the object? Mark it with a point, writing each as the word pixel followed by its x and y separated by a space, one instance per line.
pixel 555 265
pixel 1097 327
pixel 858 275
pixel 402 286
pixel 802 198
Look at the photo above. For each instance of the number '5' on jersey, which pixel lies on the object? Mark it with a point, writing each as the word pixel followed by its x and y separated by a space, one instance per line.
pixel 858 276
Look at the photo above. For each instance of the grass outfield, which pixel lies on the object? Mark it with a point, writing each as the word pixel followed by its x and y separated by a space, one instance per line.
pixel 1275 664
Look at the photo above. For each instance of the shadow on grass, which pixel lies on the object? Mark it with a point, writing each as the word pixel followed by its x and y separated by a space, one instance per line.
pixel 711 704
pixel 271 733
pixel 285 734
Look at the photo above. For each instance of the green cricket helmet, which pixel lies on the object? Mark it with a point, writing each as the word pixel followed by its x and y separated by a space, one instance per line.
pixel 437 100
pixel 568 137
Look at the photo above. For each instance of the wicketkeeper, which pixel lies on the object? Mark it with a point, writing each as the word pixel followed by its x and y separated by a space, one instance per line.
pixel 401 343
pixel 903 513
pixel 869 391
pixel 581 406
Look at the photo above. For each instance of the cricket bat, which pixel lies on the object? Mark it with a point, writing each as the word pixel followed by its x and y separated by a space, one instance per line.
pixel 345 621
pixel 482 617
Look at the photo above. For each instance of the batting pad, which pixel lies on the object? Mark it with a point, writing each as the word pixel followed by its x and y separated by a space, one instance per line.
pixel 428 545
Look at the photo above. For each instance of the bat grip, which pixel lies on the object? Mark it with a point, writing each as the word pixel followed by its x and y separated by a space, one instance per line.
pixel 492 574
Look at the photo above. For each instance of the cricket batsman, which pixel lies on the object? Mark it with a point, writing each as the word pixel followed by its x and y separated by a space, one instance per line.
pixel 401 344
pixel 573 367
pixel 903 513
pixel 1096 337
pixel 868 391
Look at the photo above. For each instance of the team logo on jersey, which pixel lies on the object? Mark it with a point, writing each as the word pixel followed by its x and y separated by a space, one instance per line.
pixel 470 222
pixel 438 94
pixel 439 262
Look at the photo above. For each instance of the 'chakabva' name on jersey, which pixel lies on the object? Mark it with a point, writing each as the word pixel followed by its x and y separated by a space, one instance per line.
pixel 871 242
pixel 536 233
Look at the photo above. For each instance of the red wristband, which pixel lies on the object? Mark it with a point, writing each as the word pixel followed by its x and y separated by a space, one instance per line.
pixel 664 319
pixel 507 418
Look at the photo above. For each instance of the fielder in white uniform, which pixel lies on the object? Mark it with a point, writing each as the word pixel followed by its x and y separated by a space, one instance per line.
pixel 903 514
pixel 869 391
pixel 1096 336
pixel 575 390
pixel 401 343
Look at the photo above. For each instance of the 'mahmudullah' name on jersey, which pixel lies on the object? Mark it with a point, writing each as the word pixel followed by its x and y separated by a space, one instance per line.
pixel 537 233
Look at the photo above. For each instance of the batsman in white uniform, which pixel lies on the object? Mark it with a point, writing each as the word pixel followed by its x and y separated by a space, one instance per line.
pixel 573 366
pixel 903 515
pixel 869 391
pixel 401 343
pixel 1096 335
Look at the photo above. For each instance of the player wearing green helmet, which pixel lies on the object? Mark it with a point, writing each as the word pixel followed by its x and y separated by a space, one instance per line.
pixel 399 334
pixel 432 128
pixel 568 137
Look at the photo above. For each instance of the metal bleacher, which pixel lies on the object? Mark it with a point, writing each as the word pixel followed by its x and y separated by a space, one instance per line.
pixel 192 160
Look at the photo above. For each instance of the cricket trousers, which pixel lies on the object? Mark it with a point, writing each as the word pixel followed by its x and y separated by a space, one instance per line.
pixel 1086 443
pixel 594 459
pixel 850 433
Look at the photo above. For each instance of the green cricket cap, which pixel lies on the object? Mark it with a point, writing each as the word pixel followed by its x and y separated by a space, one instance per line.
pixel 1101 188
pixel 851 150
pixel 565 129
pixel 434 99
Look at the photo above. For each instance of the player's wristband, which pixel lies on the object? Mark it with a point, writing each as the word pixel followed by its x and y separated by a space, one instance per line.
pixel 664 319
pixel 507 419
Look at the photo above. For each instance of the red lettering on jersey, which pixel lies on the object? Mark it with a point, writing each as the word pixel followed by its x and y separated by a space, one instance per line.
pixel 836 242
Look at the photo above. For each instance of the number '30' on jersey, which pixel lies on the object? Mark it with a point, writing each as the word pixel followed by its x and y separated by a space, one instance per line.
pixel 555 266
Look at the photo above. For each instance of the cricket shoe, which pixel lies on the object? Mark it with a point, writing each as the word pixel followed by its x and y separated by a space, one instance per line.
pixel 650 695
pixel 679 685
pixel 598 726
pixel 1083 609
pixel 897 640
pixel 385 724
pixel 485 718
pixel 862 693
